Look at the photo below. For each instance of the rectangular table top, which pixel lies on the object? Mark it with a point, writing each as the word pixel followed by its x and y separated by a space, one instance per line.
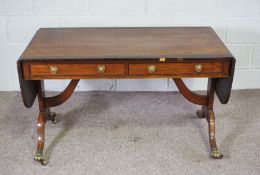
pixel 125 43
pixel 147 52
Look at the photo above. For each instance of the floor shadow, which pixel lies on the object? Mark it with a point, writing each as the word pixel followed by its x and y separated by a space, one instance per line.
pixel 191 154
pixel 242 114
pixel 69 121
pixel 67 125
pixel 203 132
pixel 240 128
pixel 99 103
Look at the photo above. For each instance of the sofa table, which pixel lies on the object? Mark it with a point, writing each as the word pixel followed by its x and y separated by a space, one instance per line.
pixel 115 53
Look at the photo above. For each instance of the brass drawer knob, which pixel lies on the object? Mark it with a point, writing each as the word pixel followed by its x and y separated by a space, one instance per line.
pixel 198 67
pixel 101 69
pixel 53 70
pixel 151 68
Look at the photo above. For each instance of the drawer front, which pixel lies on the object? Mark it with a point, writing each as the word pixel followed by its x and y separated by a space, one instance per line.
pixel 195 69
pixel 76 69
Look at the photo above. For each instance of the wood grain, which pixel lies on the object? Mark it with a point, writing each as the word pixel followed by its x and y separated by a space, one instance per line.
pixel 77 69
pixel 125 43
pixel 76 53
pixel 169 69
pixel 177 68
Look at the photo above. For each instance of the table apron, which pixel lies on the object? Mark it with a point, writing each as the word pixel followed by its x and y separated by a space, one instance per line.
pixel 42 71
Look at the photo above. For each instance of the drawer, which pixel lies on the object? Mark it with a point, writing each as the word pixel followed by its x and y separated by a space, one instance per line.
pixel 192 69
pixel 76 69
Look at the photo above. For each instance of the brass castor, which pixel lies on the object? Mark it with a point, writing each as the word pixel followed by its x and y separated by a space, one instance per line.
pixel 39 158
pixel 215 154
pixel 200 114
pixel 53 117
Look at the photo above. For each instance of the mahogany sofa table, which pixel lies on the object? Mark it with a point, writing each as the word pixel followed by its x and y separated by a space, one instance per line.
pixel 111 53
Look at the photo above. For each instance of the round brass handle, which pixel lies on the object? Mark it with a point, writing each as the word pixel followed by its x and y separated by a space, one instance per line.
pixel 101 69
pixel 151 68
pixel 198 67
pixel 53 70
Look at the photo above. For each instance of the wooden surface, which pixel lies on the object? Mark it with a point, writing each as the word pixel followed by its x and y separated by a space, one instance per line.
pixel 77 69
pixel 109 53
pixel 173 69
pixel 126 53
pixel 188 68
pixel 58 44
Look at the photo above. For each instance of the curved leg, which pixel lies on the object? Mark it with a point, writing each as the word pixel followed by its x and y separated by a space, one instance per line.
pixel 212 138
pixel 43 116
pixel 40 145
pixel 209 114
pixel 189 95
pixel 44 107
pixel 206 112
pixel 63 96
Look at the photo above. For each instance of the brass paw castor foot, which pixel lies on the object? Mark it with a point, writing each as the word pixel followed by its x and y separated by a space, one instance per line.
pixel 53 118
pixel 215 154
pixel 39 157
pixel 200 114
